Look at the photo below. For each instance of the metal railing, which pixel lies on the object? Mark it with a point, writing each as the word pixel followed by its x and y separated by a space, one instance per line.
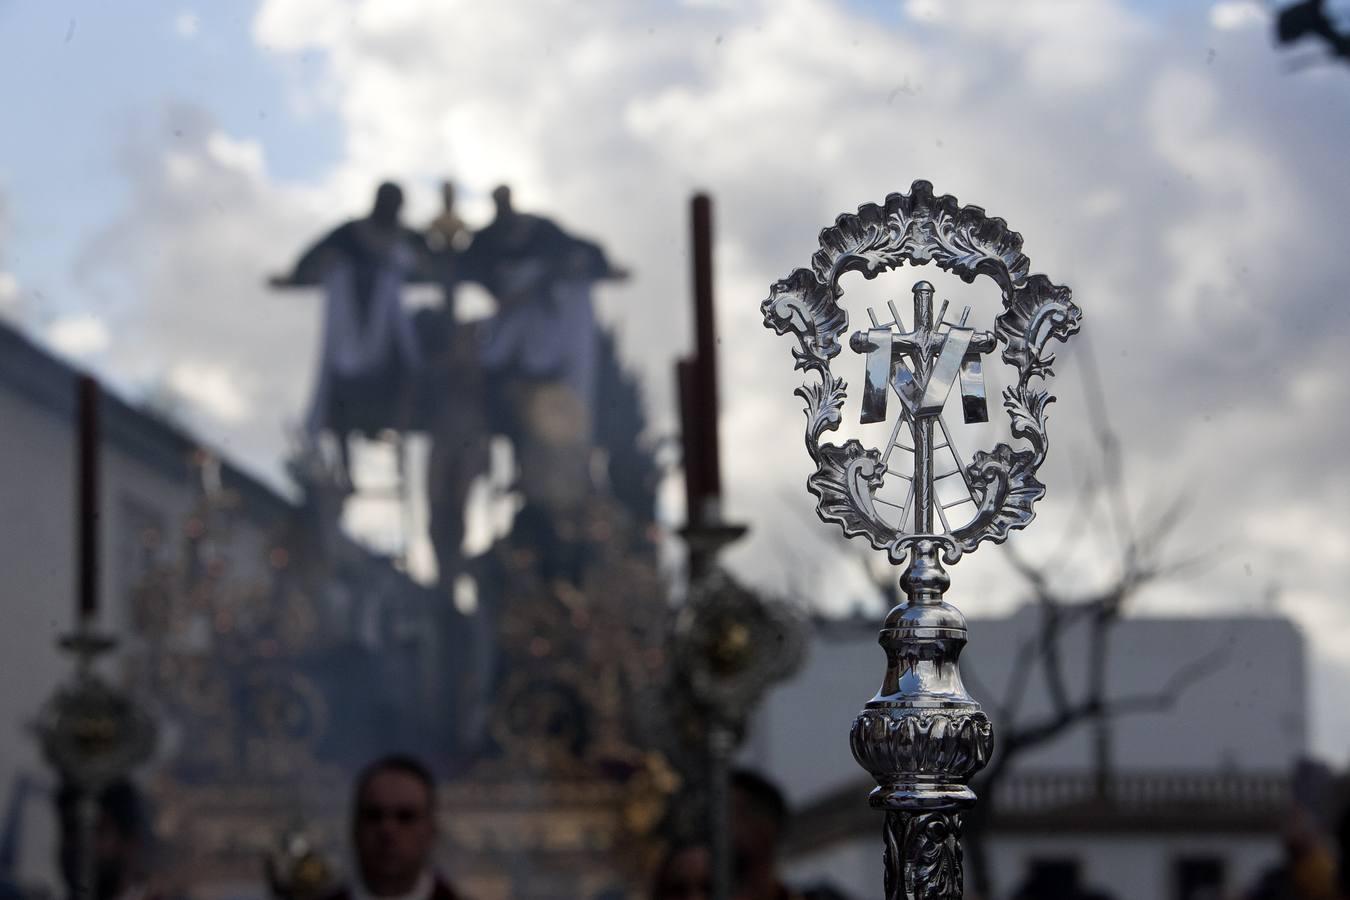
pixel 1032 792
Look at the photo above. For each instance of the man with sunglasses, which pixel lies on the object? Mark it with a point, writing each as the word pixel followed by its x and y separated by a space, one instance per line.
pixel 394 834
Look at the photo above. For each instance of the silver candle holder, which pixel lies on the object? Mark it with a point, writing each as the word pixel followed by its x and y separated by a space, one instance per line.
pixel 922 737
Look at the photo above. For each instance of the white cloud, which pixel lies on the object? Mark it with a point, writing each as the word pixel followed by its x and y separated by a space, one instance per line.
pixel 242 156
pixel 925 10
pixel 1058 47
pixel 9 295
pixel 1103 201
pixel 10 300
pixel 1230 15
pixel 1296 528
pixel 78 335
pixel 187 24
pixel 211 387
pixel 1250 198
pixel 184 271
pixel 181 169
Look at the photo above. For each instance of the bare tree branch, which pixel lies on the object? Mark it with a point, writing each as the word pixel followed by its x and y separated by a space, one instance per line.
pixel 1075 529
pixel 1034 577
pixel 1028 736
pixel 1166 697
pixel 1052 660
pixel 858 553
pixel 1113 462
pixel 1019 678
pixel 978 688
pixel 1143 558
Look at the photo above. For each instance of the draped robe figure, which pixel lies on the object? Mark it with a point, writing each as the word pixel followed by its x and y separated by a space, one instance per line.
pixel 545 328
pixel 540 356
pixel 369 346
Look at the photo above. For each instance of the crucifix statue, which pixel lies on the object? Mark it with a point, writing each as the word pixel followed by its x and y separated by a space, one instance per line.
pixel 922 737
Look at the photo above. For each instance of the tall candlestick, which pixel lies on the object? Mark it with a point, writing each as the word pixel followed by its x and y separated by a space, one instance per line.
pixel 87 502
pixel 686 375
pixel 705 407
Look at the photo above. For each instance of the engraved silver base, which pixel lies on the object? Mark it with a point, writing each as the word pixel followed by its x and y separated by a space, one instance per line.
pixel 922 738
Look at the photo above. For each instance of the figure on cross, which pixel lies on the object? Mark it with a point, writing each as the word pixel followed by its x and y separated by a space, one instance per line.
pixel 924 388
pixel 921 365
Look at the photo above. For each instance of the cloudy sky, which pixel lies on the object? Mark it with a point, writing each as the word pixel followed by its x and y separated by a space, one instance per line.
pixel 1187 180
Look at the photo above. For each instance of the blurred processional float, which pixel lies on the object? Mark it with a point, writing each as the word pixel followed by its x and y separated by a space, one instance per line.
pixel 923 737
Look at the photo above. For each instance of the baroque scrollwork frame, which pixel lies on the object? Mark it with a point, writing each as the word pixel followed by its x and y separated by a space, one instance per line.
pixel 919 228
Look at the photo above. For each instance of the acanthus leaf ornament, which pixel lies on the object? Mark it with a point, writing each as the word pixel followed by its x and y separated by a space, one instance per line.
pixel 927 849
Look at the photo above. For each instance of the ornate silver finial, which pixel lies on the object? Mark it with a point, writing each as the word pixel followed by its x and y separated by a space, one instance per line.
pixel 922 737
pixel 92 734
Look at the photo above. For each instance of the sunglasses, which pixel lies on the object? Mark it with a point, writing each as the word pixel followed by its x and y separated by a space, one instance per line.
pixel 401 815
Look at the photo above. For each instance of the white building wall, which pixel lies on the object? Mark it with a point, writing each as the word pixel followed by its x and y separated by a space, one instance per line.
pixel 36 545
pixel 37 559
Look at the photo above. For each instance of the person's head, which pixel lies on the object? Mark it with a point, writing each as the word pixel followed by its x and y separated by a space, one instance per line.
pixel 1300 832
pixel 394 824
pixel 388 204
pixel 119 840
pixel 923 290
pixel 501 199
pixel 685 874
pixel 759 815
pixel 448 194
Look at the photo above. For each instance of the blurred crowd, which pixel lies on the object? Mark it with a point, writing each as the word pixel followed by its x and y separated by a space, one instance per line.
pixel 394 837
